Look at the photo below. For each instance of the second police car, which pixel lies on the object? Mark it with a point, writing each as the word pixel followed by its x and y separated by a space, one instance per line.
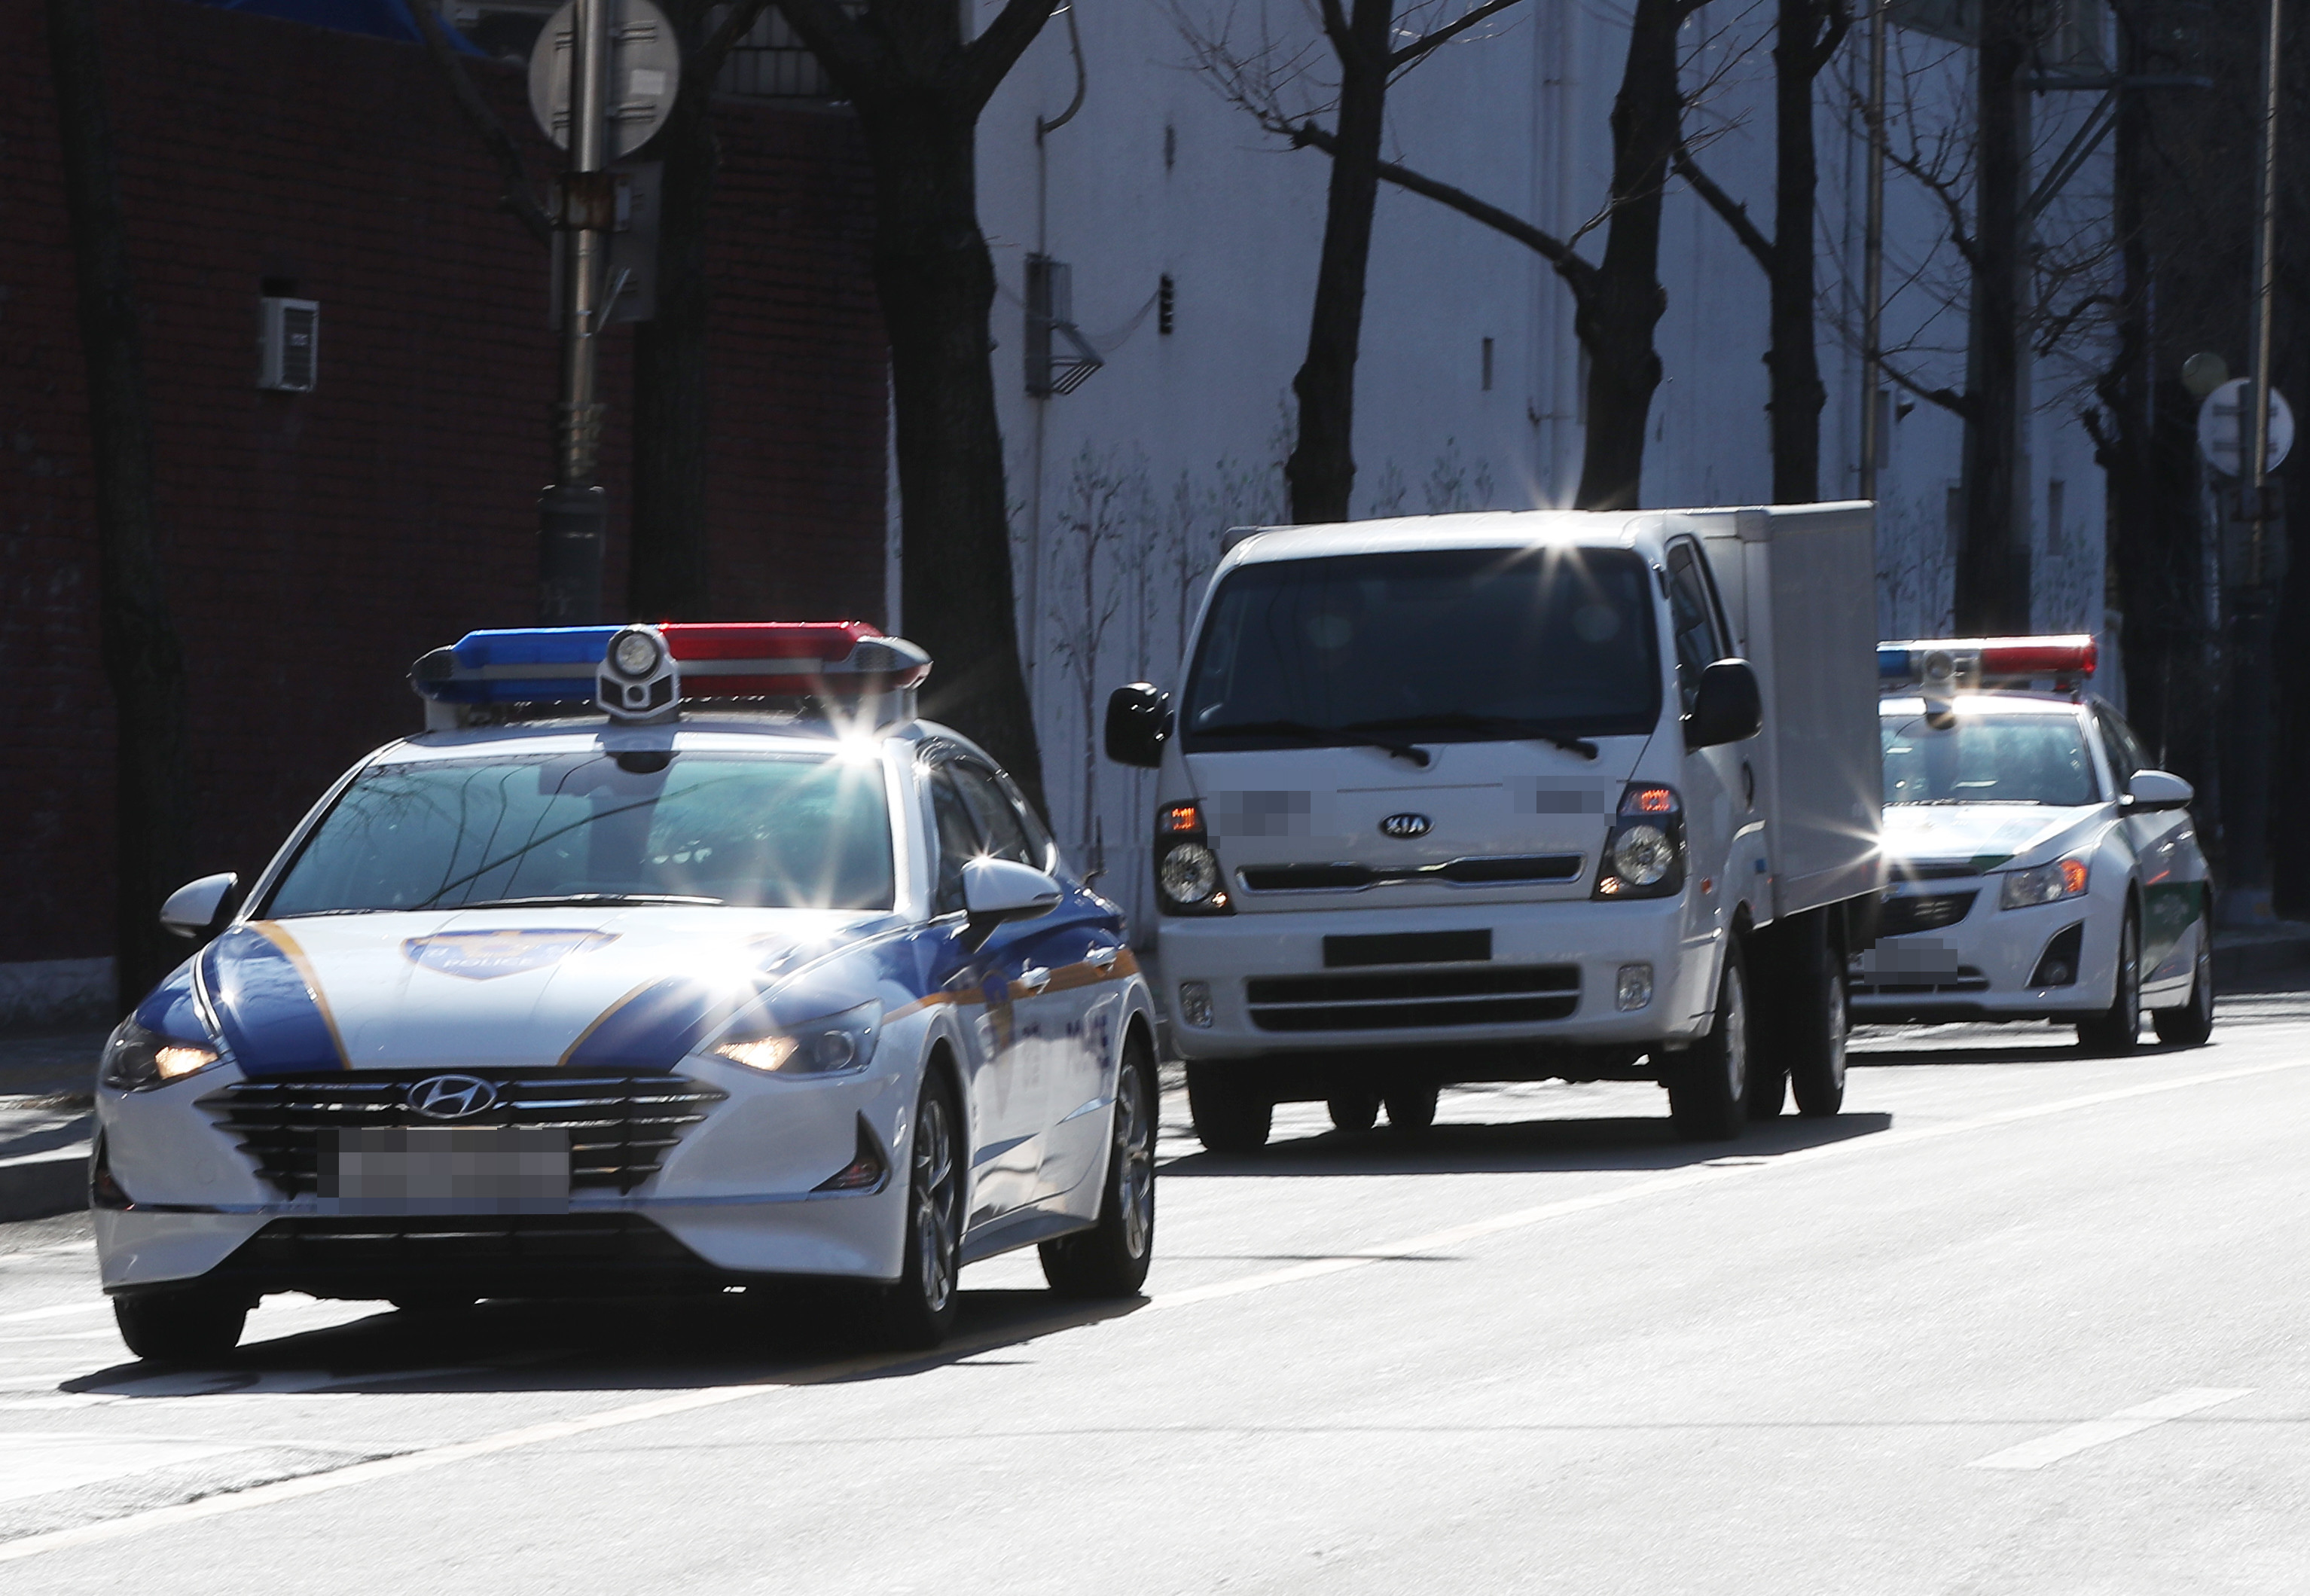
pixel 613 980
pixel 2040 866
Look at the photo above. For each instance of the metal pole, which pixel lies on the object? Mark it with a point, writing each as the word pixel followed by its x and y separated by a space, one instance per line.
pixel 2248 832
pixel 573 513
pixel 1872 264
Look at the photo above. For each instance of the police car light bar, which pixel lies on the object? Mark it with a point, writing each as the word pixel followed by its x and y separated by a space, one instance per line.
pixel 1965 664
pixel 645 673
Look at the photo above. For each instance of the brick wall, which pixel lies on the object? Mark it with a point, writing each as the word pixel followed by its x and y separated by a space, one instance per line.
pixel 316 543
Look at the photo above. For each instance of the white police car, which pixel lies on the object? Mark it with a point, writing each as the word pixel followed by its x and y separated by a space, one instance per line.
pixel 2041 867
pixel 600 986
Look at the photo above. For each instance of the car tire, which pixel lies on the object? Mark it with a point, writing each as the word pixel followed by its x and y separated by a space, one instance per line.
pixel 2193 1024
pixel 2117 1029
pixel 1353 1111
pixel 190 1325
pixel 1231 1116
pixel 1111 1259
pixel 1410 1107
pixel 917 1310
pixel 1707 1087
pixel 1819 1025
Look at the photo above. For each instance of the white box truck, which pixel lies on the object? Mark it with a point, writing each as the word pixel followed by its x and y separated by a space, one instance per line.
pixel 1508 796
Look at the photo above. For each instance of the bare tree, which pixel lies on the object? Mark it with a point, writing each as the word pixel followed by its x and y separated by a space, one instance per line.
pixel 1806 38
pixel 143 660
pixel 919 86
pixel 1618 300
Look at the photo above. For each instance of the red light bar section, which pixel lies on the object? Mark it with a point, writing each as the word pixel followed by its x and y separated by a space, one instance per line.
pixel 2038 656
pixel 827 642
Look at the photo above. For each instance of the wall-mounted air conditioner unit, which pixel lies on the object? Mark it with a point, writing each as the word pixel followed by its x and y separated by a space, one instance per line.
pixel 288 344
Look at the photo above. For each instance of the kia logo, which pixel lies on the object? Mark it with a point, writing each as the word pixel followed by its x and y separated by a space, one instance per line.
pixel 451 1096
pixel 1406 827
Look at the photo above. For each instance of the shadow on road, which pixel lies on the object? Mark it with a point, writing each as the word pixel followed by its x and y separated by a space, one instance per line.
pixel 1522 1147
pixel 798 1335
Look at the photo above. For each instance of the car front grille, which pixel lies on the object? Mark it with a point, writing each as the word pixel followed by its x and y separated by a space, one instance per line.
pixel 1495 870
pixel 1898 917
pixel 1377 1000
pixel 1916 984
pixel 621 1127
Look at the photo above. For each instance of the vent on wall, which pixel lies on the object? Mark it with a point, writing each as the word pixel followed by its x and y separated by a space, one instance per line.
pixel 288 344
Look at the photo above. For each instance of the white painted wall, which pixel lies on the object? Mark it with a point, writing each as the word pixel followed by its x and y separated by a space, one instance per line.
pixel 1179 436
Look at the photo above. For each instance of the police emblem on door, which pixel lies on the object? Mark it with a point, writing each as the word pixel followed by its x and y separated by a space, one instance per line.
pixel 1406 827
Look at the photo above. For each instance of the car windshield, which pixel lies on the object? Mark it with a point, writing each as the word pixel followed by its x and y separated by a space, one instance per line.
pixel 1988 759
pixel 748 830
pixel 1447 644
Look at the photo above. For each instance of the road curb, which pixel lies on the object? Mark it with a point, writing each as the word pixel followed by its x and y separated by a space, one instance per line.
pixel 38 1185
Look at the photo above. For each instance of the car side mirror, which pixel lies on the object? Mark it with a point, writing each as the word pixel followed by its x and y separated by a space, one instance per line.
pixel 2157 789
pixel 1729 707
pixel 198 910
pixel 1138 725
pixel 997 890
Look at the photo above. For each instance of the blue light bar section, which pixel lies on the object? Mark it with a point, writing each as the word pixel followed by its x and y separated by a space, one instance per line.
pixel 1893 664
pixel 533 645
pixel 486 667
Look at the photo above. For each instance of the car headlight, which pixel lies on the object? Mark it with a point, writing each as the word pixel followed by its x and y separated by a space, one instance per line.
pixel 137 1059
pixel 831 1045
pixel 2047 883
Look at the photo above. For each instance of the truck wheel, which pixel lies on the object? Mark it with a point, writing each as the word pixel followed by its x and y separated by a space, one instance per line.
pixel 191 1325
pixel 1231 1116
pixel 1708 1087
pixel 1411 1109
pixel 2193 1024
pixel 2117 1029
pixel 1354 1111
pixel 1817 1023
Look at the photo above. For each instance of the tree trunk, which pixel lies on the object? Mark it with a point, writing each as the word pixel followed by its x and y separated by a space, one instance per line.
pixel 142 660
pixel 1615 322
pixel 1992 556
pixel 1793 360
pixel 936 284
pixel 1321 471
pixel 668 571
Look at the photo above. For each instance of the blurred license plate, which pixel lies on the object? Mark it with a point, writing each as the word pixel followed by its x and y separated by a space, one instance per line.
pixel 446 1170
pixel 1910 956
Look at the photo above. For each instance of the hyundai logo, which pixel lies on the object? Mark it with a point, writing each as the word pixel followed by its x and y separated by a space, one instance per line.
pixel 451 1096
pixel 1406 827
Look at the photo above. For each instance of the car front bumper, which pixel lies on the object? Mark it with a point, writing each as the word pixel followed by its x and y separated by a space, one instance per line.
pixel 1987 966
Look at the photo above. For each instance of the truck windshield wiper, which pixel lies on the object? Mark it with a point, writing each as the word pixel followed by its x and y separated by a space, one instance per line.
pixel 1460 721
pixel 1363 735
pixel 566 900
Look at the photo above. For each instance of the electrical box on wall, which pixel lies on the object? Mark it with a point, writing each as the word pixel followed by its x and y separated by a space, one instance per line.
pixel 288 344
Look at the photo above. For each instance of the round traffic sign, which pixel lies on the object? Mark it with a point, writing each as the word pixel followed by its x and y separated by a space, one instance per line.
pixel 645 74
pixel 2224 437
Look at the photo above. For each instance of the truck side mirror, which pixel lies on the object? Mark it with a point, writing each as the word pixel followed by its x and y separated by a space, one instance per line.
pixel 1728 708
pixel 2157 789
pixel 198 910
pixel 1138 723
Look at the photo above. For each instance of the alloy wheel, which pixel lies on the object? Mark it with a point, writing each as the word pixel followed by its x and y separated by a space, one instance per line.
pixel 1134 1152
pixel 936 1202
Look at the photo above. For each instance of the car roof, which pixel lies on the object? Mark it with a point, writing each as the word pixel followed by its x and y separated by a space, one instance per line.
pixel 700 733
pixel 2003 703
pixel 1478 529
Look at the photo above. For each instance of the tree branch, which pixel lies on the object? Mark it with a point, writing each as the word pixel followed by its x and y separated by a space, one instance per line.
pixel 1824 51
pixel 1418 47
pixel 856 59
pixel 519 198
pixel 706 64
pixel 1957 404
pixel 987 59
pixel 1735 214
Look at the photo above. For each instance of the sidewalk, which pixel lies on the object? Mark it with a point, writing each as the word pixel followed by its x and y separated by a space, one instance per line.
pixel 2272 957
pixel 46 1085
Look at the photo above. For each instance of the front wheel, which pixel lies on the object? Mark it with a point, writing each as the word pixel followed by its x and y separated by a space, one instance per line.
pixel 2193 1024
pixel 191 1325
pixel 1708 1087
pixel 1111 1258
pixel 2117 1029
pixel 1819 1031
pixel 1353 1111
pixel 1410 1107
pixel 918 1309
pixel 1230 1115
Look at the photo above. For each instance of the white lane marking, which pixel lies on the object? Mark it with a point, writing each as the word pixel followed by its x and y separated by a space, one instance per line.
pixel 37 1462
pixel 714 1396
pixel 2117 1426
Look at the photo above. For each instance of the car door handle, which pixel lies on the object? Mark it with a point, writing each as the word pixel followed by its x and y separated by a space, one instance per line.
pixel 1035 979
pixel 1104 958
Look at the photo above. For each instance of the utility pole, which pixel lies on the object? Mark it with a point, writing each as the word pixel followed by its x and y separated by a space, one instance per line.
pixel 1872 263
pixel 573 512
pixel 1993 556
pixel 2246 830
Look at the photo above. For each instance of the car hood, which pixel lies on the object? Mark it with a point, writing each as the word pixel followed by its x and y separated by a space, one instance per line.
pixel 631 988
pixel 1986 836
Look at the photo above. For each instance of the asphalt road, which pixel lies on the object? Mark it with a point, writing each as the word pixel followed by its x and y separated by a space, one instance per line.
pixel 2019 1321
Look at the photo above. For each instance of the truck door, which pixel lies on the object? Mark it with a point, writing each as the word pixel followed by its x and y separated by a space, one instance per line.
pixel 1718 788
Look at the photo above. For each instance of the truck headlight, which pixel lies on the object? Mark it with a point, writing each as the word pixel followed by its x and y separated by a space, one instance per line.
pixel 1190 874
pixel 1644 854
pixel 1186 871
pixel 2047 883
pixel 831 1045
pixel 137 1059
